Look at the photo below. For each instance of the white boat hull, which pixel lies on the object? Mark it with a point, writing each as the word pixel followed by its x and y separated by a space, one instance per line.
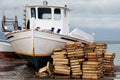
pixel 35 43
pixel 46 42
pixel 37 46
pixel 21 42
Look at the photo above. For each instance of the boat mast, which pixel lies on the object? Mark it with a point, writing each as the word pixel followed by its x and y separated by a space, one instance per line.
pixel 24 17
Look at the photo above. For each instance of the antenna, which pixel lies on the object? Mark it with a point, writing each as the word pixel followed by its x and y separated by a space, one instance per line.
pixel 15 10
pixel 66 1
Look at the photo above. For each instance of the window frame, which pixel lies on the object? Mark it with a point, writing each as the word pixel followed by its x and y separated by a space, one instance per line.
pixel 44 12
pixel 58 14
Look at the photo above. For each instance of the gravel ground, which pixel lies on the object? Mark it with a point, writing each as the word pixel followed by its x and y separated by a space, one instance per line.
pixel 15 70
pixel 18 70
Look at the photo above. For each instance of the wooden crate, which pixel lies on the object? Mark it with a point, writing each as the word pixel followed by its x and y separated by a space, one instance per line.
pixel 101 46
pixel 89 61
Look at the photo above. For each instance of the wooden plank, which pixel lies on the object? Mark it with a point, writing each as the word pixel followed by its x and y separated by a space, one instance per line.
pixel 59 56
pixel 60 63
pixel 57 49
pixel 110 54
pixel 62 67
pixel 77 55
pixel 94 68
pixel 62 52
pixel 62 60
pixel 81 60
pixel 71 53
pixel 101 46
pixel 92 72
pixel 74 74
pixel 99 74
pixel 90 77
pixel 99 59
pixel 74 61
pixel 94 54
pixel 62 72
pixel 79 52
pixel 76 70
pixel 109 57
pixel 91 63
pixel 91 66
pixel 75 66
pixel 48 68
pixel 94 57
pixel 79 49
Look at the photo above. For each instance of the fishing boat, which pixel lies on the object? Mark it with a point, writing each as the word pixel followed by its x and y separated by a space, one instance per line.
pixel 45 28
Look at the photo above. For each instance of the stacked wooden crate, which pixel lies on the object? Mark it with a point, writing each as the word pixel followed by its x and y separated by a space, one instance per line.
pixel 76 57
pixel 61 62
pixel 90 47
pixel 109 63
pixel 92 70
pixel 93 67
pixel 101 48
pixel 69 60
pixel 89 61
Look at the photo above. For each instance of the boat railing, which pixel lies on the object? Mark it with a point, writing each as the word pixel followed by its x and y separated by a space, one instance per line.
pixel 9 24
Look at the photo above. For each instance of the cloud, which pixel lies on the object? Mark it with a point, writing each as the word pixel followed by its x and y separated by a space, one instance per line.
pixel 96 7
pixel 96 14
pixel 99 16
pixel 105 22
pixel 84 13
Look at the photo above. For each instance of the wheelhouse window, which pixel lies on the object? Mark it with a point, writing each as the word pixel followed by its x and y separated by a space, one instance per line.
pixel 33 12
pixel 44 13
pixel 57 14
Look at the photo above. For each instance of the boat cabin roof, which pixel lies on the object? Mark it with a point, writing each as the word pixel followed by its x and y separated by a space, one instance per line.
pixel 46 6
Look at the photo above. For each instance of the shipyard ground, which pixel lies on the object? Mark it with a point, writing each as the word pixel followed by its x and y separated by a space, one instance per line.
pixel 17 69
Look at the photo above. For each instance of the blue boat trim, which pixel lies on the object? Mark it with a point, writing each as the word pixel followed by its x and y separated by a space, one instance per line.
pixel 38 61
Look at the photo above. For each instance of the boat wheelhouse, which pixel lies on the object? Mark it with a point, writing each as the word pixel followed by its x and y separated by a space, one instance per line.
pixel 45 28
pixel 46 17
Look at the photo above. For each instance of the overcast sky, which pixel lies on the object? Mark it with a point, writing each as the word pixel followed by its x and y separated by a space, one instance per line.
pixel 101 17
